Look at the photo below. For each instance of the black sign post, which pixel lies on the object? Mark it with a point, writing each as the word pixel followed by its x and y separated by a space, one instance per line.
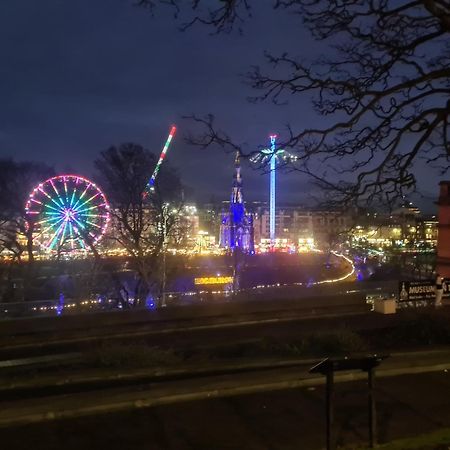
pixel 327 367
pixel 329 407
pixel 372 408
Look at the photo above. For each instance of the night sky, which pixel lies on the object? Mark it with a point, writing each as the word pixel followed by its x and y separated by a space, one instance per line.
pixel 78 76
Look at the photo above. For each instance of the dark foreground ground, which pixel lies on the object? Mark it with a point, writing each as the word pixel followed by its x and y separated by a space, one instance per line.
pixel 289 419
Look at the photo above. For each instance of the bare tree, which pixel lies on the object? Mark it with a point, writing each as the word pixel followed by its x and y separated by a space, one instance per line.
pixel 140 223
pixel 16 182
pixel 221 15
pixel 385 85
pixel 16 237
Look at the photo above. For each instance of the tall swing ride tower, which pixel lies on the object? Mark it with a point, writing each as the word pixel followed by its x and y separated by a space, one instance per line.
pixel 272 156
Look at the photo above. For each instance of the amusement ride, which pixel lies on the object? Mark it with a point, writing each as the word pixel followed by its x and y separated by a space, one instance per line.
pixel 67 212
pixel 151 182
pixel 272 156
pixel 70 213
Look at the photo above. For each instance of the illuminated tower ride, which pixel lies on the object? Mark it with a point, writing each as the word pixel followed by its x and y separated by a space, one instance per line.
pixel 149 189
pixel 273 166
pixel 272 156
pixel 151 183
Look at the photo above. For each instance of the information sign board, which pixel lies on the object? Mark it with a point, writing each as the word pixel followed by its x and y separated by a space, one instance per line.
pixel 421 290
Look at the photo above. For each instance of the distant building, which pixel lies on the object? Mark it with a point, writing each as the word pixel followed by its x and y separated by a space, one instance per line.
pixel 404 227
pixel 299 226
pixel 443 247
pixel 236 227
pixel 291 223
pixel 429 230
pixel 185 229
pixel 209 217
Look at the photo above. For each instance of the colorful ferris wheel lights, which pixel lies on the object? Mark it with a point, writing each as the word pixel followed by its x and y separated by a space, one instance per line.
pixel 67 212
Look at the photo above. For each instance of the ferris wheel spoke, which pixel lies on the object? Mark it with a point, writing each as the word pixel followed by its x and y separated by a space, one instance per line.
pixel 79 237
pixel 81 196
pixel 87 201
pixel 73 197
pixel 50 198
pixel 83 244
pixel 65 190
pixel 72 238
pixel 55 236
pixel 71 234
pixel 86 230
pixel 53 215
pixel 58 209
pixel 48 228
pixel 93 224
pixel 52 225
pixel 86 208
pixel 63 234
pixel 80 224
pixel 89 210
pixel 58 196
pixel 56 212
pixel 49 215
pixel 89 215
pixel 54 221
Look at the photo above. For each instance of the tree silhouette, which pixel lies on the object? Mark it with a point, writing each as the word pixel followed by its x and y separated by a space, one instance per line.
pixel 385 87
pixel 222 15
pixel 16 182
pixel 140 223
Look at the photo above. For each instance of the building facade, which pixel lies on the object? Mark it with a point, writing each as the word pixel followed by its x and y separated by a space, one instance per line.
pixel 443 247
pixel 301 227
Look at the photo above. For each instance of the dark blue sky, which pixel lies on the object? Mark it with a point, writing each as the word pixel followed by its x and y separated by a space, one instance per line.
pixel 79 76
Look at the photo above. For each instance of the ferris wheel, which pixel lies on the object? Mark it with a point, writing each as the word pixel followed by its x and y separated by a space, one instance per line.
pixel 67 212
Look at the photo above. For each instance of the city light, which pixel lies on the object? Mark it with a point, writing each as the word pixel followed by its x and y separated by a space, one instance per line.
pixel 213 280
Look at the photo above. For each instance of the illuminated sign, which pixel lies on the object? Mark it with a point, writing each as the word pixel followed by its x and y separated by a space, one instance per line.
pixel 410 291
pixel 213 280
